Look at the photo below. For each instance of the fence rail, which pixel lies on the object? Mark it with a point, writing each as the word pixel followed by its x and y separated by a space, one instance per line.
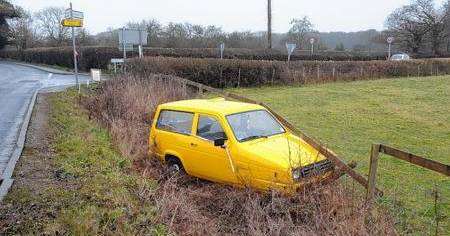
pixel 402 155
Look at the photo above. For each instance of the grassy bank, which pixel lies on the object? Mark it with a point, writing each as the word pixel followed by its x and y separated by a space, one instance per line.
pixel 410 113
pixel 91 189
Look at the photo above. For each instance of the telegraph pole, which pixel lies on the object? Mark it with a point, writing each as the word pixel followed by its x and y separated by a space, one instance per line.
pixel 269 23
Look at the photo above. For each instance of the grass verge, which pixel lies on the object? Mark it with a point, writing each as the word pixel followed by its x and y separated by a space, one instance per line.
pixel 92 189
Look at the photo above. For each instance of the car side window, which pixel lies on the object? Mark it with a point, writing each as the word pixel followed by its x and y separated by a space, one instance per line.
pixel 209 128
pixel 175 121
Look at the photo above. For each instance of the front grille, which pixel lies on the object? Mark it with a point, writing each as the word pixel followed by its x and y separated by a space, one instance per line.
pixel 317 168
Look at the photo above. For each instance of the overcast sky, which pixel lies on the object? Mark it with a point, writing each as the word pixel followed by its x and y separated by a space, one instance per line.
pixel 231 15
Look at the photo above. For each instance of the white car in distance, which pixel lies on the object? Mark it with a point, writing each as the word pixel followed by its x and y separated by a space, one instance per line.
pixel 400 57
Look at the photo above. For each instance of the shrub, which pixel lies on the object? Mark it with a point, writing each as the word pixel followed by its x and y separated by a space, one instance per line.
pixel 233 73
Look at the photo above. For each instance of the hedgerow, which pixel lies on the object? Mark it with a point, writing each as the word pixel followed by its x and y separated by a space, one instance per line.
pixel 235 73
pixel 99 57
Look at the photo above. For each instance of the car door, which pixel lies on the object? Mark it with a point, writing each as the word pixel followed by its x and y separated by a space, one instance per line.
pixel 211 162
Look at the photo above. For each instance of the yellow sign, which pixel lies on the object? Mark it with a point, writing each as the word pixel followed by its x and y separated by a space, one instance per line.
pixel 72 23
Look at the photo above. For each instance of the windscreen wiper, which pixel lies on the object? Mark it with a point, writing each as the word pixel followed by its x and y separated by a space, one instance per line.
pixel 253 137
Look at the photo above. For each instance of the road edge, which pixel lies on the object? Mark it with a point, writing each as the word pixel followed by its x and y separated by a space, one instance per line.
pixel 43 68
pixel 9 170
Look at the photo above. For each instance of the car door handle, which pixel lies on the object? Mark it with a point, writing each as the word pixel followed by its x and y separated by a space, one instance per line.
pixel 194 145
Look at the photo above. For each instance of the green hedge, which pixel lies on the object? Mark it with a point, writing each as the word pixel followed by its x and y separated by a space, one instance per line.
pixel 89 57
pixel 99 57
pixel 233 73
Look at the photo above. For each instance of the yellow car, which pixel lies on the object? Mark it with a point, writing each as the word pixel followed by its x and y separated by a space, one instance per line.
pixel 234 143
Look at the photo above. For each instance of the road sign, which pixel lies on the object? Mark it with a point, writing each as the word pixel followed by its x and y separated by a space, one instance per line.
pixel 390 40
pixel 117 60
pixel 134 37
pixel 71 14
pixel 312 40
pixel 72 23
pixel 290 48
pixel 127 47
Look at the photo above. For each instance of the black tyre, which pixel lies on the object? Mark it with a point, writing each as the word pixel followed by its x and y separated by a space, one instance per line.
pixel 175 166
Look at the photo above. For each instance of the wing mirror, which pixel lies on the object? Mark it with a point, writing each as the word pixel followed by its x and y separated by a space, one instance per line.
pixel 220 142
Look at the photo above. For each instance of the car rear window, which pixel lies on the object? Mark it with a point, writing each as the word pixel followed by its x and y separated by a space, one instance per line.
pixel 175 121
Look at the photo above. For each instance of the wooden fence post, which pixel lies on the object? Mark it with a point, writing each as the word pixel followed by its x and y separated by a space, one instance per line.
pixel 374 155
pixel 184 89
pixel 318 73
pixel 273 75
pixel 200 90
pixel 239 78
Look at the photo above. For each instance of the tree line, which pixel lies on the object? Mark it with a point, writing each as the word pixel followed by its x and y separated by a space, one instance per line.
pixel 420 27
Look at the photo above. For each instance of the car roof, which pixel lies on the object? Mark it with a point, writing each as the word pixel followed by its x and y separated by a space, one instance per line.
pixel 218 106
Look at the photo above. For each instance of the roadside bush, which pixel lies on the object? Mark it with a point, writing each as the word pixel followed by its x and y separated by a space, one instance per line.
pixel 234 73
pixel 188 206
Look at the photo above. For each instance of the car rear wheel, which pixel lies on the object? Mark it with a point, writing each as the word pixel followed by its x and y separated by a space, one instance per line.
pixel 174 166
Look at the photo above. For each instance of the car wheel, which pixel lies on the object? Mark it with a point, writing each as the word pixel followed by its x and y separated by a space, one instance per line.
pixel 175 167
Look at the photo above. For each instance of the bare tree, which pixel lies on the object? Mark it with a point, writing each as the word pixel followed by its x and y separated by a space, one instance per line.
pixel 408 27
pixel 447 24
pixel 300 28
pixel 7 11
pixel 434 19
pixel 22 33
pixel 418 24
pixel 48 21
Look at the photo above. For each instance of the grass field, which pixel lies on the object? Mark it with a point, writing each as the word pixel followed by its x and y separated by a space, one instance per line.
pixel 412 114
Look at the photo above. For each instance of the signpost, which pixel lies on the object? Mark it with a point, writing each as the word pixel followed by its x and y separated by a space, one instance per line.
pixel 389 40
pixel 74 19
pixel 222 49
pixel 116 61
pixel 290 48
pixel 130 37
pixel 312 40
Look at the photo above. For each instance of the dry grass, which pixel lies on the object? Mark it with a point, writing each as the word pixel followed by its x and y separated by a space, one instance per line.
pixel 188 206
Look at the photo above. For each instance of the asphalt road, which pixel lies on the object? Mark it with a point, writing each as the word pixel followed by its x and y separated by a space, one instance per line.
pixel 17 87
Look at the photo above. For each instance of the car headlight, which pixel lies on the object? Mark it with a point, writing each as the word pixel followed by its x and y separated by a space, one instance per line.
pixel 296 174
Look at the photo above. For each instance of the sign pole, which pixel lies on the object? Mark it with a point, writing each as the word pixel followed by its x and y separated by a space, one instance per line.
pixel 389 53
pixel 75 59
pixel 123 44
pixel 141 52
pixel 389 40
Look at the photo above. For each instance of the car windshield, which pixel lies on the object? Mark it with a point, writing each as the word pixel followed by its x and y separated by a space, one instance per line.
pixel 254 125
